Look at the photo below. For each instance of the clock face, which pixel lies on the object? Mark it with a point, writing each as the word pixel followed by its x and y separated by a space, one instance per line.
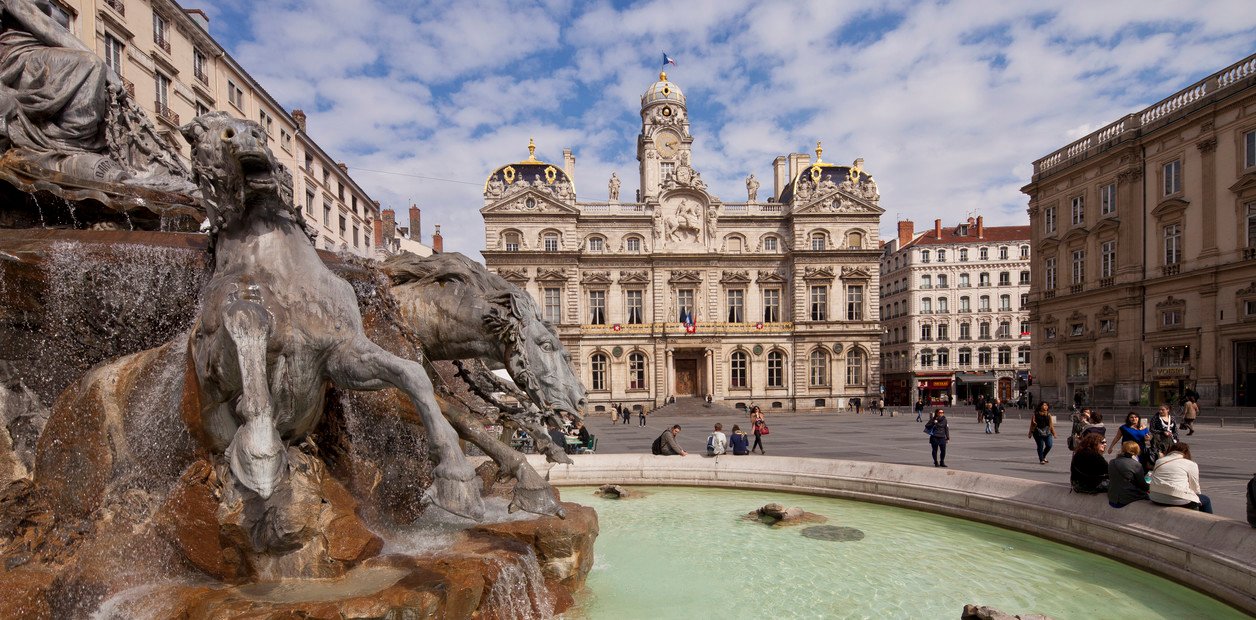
pixel 667 143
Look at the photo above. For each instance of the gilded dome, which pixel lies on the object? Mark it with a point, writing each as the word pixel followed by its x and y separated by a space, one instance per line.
pixel 531 171
pixel 821 172
pixel 661 91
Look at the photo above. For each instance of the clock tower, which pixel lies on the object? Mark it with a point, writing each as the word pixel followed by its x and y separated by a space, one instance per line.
pixel 664 144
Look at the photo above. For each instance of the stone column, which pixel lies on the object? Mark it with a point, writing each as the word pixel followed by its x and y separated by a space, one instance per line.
pixel 669 375
pixel 1208 197
pixel 710 368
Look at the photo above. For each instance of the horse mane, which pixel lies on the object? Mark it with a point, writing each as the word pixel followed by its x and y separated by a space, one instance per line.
pixel 442 268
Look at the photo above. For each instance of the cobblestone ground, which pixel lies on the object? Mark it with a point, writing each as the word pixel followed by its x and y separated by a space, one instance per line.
pixel 1226 456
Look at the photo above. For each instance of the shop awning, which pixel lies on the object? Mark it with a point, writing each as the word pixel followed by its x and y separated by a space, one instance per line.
pixel 976 378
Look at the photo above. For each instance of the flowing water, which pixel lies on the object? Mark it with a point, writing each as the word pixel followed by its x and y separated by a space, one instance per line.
pixel 687 553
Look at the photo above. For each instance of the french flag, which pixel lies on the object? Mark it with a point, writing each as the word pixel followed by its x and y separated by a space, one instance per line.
pixel 667 60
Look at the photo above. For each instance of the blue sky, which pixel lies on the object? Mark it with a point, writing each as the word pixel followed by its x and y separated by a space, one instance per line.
pixel 949 103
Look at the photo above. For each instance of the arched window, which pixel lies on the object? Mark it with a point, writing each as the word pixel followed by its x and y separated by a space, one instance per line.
pixel 636 371
pixel 817 241
pixel 819 368
pixel 734 244
pixel 1024 252
pixel 1003 252
pixel 776 369
pixel 963 254
pixel 510 241
pixel 926 358
pixel 633 244
pixel 855 367
pixel 941 256
pixel 597 372
pixel 770 244
pixel 597 244
pixel 737 370
pixel 854 240
pixel 550 241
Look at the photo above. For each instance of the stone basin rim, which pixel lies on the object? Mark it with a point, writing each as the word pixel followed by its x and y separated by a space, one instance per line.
pixel 1213 554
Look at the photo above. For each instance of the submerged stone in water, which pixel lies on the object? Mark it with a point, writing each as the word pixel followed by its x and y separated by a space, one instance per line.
pixel 833 533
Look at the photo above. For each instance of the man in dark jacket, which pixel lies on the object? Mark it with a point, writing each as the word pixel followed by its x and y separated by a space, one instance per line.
pixel 670 446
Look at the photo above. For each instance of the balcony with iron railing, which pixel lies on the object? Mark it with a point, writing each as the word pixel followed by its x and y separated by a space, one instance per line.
pixel 1106 282
pixel 1076 288
pixel 162 42
pixel 1249 253
pixel 201 76
pixel 1171 270
pixel 165 113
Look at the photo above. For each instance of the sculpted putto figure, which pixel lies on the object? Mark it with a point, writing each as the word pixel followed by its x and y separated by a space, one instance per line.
pixel 275 326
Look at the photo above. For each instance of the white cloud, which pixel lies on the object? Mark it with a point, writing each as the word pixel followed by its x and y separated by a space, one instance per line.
pixel 948 102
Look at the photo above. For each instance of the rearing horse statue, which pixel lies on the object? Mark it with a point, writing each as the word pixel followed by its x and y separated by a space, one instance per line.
pixel 275 326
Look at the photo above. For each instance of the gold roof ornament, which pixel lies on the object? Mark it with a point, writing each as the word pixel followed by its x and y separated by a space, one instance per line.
pixel 662 76
pixel 819 151
pixel 531 150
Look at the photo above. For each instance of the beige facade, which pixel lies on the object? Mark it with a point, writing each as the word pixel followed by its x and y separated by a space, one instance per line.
pixel 1145 237
pixel 175 71
pixel 955 306
pixel 781 293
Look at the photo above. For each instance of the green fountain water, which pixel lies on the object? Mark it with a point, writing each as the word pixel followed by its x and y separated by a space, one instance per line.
pixel 687 553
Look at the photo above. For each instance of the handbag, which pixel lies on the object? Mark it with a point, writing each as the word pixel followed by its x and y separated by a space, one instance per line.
pixel 763 429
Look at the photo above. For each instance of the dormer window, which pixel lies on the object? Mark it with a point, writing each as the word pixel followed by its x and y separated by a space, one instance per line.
pixel 596 244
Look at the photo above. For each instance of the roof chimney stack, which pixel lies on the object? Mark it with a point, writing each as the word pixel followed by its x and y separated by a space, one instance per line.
pixel 438 244
pixel 379 233
pixel 981 231
pixel 415 235
pixel 937 229
pixel 906 230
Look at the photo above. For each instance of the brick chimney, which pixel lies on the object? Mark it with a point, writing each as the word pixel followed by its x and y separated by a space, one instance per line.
pixel 298 115
pixel 438 244
pixel 906 230
pixel 390 223
pixel 379 233
pixel 981 229
pixel 415 235
pixel 937 229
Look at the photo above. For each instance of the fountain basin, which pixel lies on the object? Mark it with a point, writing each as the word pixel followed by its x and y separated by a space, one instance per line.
pixel 1209 553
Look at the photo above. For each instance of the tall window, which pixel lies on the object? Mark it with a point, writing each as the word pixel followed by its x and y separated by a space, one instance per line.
pixel 1048 218
pixel 1024 252
pixel 983 356
pixel 597 307
pixel 1107 199
pixel 1078 210
pixel 1005 329
pixel 854 241
pixel 309 202
pixel 943 330
pixel 965 357
pixel 1107 259
pixel 926 281
pixel 941 280
pixel 636 371
pixel 1173 177
pixel 819 368
pixel 736 306
pixel 776 369
pixel 819 303
pixel 554 305
pixel 965 331
pixel 1005 356
pixel 1172 244
pixel 926 305
pixel 944 357
pixel 684 304
pixel 983 279
pixel 855 367
pixel 771 305
pixel 817 241
pixel 924 256
pixel 596 244
pixel 1079 266
pixel 769 244
pixel 942 305
pixel 965 304
pixel 926 358
pixel 634 244
pixel 983 253
pixel 737 370
pixel 983 331
pixel 159 32
pixel 634 300
pixel 964 281
pixel 1005 302
pixel 551 242
pixel 1022 355
pixel 854 302
pixel 198 67
pixel 236 96
pixel 113 54
pixel 1251 224
pixel 268 126
pixel 1003 252
pixel 1049 269
pixel 983 304
pixel 1249 149
pixel 1005 278
pixel 597 372
pixel 926 332
pixel 963 254
pixel 1024 277
pixel 1024 301
pixel 163 92
pixel 326 213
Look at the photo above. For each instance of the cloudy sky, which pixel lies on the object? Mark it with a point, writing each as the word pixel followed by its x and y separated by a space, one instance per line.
pixel 949 103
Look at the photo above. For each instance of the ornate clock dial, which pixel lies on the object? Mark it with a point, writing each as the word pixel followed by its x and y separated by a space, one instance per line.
pixel 667 143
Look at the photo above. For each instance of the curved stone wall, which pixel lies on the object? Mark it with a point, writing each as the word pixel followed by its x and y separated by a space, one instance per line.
pixel 1213 554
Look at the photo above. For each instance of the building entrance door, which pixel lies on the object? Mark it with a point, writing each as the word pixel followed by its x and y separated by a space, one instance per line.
pixel 686 377
pixel 1005 388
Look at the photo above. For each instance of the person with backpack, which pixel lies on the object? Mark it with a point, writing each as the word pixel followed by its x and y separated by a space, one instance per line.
pixel 939 435
pixel 717 442
pixel 666 444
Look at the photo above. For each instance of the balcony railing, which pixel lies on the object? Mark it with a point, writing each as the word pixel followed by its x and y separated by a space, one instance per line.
pixel 202 77
pixel 162 42
pixel 1106 282
pixel 1076 288
pixel 165 113
pixel 1048 294
pixel 1249 253
pixel 116 5
pixel 1171 270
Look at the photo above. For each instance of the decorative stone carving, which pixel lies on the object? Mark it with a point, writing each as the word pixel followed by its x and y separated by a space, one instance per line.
pixel 686 225
pixel 752 188
pixel 685 275
pixel 494 187
pixel 613 186
pixel 817 273
pixel 595 277
pixel 514 276
pixel 551 275
pixel 1170 302
pixel 712 214
pixel 772 277
pixel 634 277
pixel 855 273
pixel 735 276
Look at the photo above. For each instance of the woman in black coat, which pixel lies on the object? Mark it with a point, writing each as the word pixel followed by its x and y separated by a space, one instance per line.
pixel 939 434
pixel 1088 472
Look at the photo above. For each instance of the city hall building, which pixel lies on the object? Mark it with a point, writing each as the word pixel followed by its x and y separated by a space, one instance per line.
pixel 678 292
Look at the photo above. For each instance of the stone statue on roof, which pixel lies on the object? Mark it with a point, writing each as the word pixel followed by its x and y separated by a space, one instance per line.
pixel 613 186
pixel 752 188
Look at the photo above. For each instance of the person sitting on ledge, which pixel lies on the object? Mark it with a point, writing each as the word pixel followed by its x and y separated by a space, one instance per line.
pixel 717 442
pixel 669 444
pixel 1175 480
pixel 739 441
pixel 1088 472
pixel 1127 480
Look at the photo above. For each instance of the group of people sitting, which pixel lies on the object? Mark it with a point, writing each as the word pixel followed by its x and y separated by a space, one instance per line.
pixel 1153 464
pixel 717 442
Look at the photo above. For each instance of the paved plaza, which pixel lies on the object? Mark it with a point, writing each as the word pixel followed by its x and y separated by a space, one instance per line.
pixel 1226 456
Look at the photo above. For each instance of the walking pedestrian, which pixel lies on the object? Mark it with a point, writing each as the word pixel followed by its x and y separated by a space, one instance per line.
pixel 625 413
pixel 939 435
pixel 920 409
pixel 641 417
pixel 1042 430
pixel 989 418
pixel 998 415
pixel 1190 412
pixel 760 429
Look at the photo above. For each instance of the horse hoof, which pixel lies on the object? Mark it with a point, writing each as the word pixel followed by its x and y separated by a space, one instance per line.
pixel 537 502
pixel 460 497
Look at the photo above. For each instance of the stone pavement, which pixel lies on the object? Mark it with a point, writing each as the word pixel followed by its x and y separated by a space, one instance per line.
pixel 1226 456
